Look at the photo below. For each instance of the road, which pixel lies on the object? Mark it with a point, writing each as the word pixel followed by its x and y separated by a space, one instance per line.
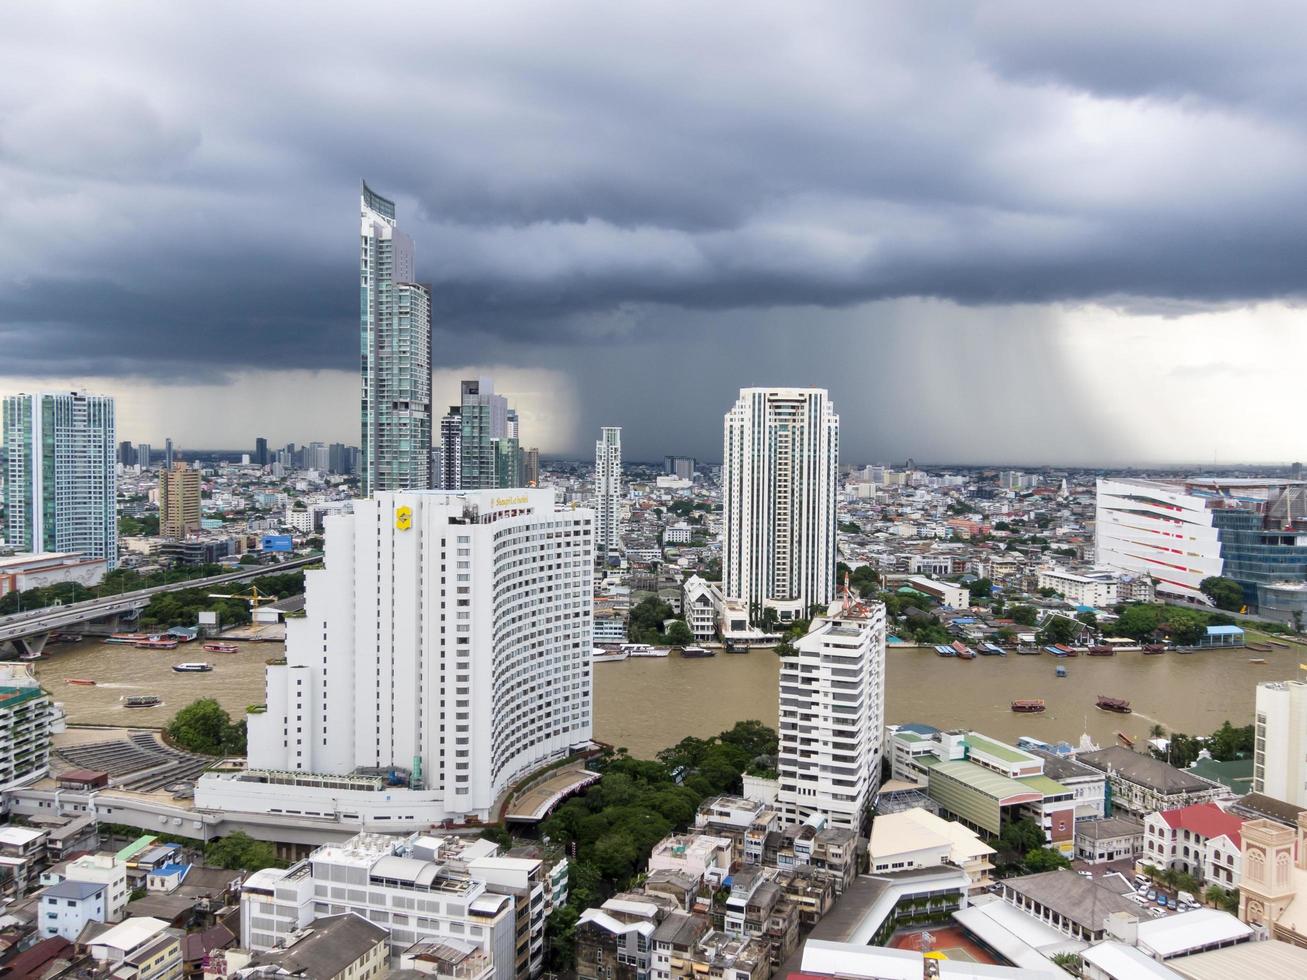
pixel 50 618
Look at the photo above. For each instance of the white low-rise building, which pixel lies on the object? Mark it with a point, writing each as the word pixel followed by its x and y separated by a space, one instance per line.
pixel 916 838
pixel 67 907
pixel 701 601
pixel 1202 840
pixel 1096 589
pixel 420 889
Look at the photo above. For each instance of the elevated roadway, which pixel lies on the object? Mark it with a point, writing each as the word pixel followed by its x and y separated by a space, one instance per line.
pixel 28 631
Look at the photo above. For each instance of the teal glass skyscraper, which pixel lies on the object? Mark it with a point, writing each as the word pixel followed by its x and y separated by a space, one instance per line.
pixel 60 481
pixel 395 362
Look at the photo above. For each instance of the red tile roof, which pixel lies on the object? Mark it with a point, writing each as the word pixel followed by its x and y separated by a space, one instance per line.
pixel 1206 820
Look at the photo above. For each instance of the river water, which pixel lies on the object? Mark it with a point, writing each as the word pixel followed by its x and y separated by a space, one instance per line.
pixel 119 670
pixel 646 704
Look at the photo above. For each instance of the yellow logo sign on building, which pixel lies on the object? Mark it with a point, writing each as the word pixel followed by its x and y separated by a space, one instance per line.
pixel 403 518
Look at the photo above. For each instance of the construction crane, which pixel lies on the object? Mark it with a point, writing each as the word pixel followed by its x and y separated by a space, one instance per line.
pixel 254 597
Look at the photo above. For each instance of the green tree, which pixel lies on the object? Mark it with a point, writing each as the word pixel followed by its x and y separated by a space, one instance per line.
pixel 646 621
pixel 679 634
pixel 560 941
pixel 1089 619
pixel 239 851
pixel 1023 615
pixel 1139 621
pixel 615 855
pixel 1059 629
pixel 981 588
pixel 1022 836
pixel 1044 859
pixel 203 726
pixel 1225 592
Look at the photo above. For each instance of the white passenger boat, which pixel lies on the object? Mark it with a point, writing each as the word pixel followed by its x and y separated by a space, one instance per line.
pixel 602 656
pixel 644 650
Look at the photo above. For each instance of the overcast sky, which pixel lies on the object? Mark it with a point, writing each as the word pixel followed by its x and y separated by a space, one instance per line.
pixel 1009 231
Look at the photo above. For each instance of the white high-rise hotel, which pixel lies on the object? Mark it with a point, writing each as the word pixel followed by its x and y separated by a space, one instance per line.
pixel 608 489
pixel 781 460
pixel 832 717
pixel 448 639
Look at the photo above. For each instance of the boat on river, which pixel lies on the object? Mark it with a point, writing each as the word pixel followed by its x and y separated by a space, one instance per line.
pixel 1153 649
pixel 1061 670
pixel 142 701
pixel 194 667
pixel 156 643
pixel 221 648
pixel 602 655
pixel 644 650
pixel 1102 651
pixel 80 681
pixel 1028 705
pixel 1257 660
pixel 697 652
pixel 1119 705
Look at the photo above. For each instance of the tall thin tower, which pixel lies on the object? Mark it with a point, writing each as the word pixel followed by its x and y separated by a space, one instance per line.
pixel 395 344
pixel 608 489
pixel 782 451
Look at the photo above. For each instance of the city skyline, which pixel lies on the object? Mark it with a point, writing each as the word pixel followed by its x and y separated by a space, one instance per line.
pixel 990 217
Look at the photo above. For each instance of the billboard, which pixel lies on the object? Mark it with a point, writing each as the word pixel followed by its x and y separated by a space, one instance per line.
pixel 278 542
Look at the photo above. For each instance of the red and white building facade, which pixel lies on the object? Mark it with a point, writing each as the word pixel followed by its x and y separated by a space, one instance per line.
pixel 1202 840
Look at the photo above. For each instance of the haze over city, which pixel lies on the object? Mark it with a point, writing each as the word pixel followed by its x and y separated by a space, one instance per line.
pixel 995 232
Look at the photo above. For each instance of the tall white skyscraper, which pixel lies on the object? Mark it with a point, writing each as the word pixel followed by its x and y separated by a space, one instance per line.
pixel 832 717
pixel 1280 741
pixel 608 489
pixel 395 342
pixel 448 638
pixel 780 463
pixel 59 457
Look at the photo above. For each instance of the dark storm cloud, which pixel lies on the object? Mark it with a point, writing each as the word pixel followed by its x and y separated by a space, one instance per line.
pixel 180 180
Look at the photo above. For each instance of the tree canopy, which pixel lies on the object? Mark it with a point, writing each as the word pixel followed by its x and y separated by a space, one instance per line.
pixel 203 726
pixel 239 851
pixel 1225 592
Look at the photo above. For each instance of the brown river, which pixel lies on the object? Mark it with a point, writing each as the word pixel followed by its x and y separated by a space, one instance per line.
pixel 646 704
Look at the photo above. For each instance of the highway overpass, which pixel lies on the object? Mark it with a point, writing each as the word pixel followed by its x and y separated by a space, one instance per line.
pixel 28 631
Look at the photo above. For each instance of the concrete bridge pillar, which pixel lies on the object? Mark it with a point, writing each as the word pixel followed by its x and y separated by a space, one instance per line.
pixel 32 645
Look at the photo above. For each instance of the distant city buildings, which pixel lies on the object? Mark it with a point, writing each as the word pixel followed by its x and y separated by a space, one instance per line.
pixel 480 442
pixel 60 477
pixel 144 456
pixel 781 461
pixel 832 718
pixel 1183 531
pixel 167 454
pixel 531 467
pixel 260 451
pixel 179 501
pixel 681 467
pixel 395 328
pixel 608 491
pixel 422 654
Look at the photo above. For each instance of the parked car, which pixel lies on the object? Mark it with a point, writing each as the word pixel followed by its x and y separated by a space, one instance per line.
pixel 1156 913
pixel 1085 874
pixel 1185 898
pixel 1152 895
pixel 1141 879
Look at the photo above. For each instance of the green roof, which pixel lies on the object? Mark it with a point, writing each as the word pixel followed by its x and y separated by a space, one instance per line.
pixel 135 847
pixel 1045 784
pixel 997 749
pixel 1236 774
pixel 983 780
pixel 11 697
pixel 910 737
